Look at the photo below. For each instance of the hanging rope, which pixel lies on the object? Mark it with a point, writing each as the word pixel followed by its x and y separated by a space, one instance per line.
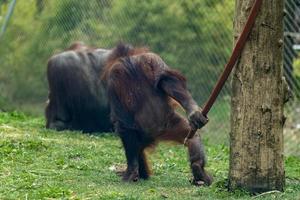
pixel 233 58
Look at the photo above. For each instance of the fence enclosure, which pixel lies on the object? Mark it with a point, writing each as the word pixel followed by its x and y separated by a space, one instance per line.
pixel 192 36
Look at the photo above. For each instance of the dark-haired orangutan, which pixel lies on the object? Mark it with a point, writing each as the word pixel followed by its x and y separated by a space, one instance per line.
pixel 77 99
pixel 140 89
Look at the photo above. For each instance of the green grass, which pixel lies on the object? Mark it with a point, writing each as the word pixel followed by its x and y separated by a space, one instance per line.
pixel 36 163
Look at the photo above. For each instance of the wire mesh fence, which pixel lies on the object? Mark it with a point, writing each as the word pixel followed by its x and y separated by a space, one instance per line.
pixel 192 36
pixel 291 66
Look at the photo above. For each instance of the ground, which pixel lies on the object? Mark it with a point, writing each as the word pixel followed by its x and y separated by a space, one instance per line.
pixel 36 163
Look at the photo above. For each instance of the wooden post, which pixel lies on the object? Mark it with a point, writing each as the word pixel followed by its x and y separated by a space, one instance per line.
pixel 256 138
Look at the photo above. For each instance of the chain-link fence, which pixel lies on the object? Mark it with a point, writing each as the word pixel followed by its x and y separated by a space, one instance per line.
pixel 192 36
pixel 292 73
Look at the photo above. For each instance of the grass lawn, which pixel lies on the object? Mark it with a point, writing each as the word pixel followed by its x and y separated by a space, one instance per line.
pixel 36 163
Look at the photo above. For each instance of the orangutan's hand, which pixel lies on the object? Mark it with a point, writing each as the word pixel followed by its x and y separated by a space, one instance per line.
pixel 197 119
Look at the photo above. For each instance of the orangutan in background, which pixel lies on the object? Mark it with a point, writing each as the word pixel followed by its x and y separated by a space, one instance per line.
pixel 77 100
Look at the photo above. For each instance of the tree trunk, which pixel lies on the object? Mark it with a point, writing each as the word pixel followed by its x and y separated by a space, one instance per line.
pixel 256 138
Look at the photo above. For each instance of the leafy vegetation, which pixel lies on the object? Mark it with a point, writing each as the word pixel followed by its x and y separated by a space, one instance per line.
pixel 193 36
pixel 297 68
pixel 36 163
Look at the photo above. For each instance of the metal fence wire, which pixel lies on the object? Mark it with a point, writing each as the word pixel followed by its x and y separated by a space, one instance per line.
pixel 192 36
pixel 291 64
